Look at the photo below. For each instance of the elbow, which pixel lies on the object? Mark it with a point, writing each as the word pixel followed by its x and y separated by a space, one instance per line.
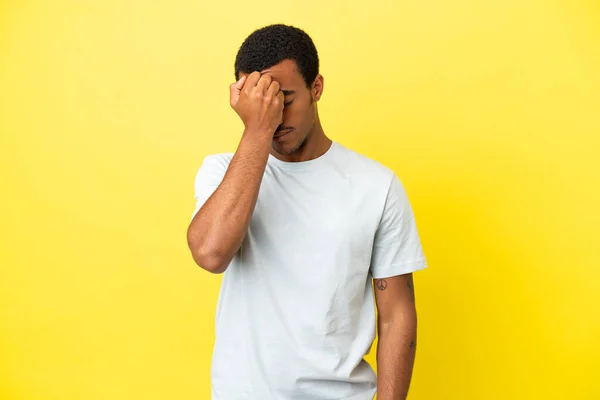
pixel 207 251
pixel 402 319
pixel 210 262
pixel 206 258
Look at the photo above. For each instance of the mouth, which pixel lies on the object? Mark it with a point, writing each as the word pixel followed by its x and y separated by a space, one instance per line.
pixel 281 133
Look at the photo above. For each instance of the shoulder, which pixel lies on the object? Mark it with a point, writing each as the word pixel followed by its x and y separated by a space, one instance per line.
pixel 215 162
pixel 212 167
pixel 218 159
pixel 359 164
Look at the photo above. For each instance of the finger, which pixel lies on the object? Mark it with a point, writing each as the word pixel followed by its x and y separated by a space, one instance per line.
pixel 264 83
pixel 235 90
pixel 273 88
pixel 240 83
pixel 281 97
pixel 280 100
pixel 252 80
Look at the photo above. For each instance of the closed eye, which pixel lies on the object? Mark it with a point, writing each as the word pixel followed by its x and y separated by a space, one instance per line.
pixel 288 103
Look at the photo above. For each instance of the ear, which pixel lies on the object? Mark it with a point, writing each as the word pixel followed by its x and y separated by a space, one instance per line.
pixel 317 87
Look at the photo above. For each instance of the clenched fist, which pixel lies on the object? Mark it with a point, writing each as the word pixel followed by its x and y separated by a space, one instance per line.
pixel 258 101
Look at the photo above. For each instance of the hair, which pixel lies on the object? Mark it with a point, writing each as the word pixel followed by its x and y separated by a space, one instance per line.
pixel 270 45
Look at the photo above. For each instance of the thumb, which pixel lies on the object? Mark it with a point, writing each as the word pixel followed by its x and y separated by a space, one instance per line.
pixel 235 90
pixel 240 83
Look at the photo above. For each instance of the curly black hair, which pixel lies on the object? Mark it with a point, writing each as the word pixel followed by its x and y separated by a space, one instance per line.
pixel 268 46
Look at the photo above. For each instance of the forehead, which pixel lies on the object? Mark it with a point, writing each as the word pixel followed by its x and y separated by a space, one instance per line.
pixel 286 73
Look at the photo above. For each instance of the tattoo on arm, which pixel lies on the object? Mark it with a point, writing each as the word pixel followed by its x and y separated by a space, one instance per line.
pixel 413 343
pixel 411 287
pixel 381 284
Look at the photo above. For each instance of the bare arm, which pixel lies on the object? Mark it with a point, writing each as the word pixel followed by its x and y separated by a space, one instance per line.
pixel 218 229
pixel 397 344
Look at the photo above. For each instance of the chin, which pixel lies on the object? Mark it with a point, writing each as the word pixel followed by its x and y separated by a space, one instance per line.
pixel 288 147
pixel 283 148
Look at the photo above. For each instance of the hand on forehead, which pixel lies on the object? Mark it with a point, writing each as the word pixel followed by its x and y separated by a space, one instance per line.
pixel 285 73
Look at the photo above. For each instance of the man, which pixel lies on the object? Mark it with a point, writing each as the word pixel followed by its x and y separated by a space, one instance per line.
pixel 302 227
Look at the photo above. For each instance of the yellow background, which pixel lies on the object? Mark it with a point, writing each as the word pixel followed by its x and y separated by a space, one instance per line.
pixel 489 111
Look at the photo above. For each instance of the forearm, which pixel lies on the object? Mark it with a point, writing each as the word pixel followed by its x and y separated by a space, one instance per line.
pixel 220 226
pixel 396 350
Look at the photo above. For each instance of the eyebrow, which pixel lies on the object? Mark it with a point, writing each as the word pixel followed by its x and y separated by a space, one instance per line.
pixel 288 92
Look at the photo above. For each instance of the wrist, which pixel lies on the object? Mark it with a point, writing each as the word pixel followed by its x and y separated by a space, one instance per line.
pixel 264 135
pixel 257 140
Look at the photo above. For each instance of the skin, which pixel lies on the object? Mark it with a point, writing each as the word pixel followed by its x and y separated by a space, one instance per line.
pixel 306 140
pixel 397 330
pixel 270 103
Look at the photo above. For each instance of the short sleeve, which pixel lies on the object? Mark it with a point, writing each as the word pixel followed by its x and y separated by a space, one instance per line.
pixel 208 178
pixel 397 248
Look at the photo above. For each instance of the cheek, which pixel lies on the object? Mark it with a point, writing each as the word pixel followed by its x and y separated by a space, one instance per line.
pixel 293 116
pixel 301 115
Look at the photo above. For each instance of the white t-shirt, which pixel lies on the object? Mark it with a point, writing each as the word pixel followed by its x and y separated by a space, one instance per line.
pixel 296 310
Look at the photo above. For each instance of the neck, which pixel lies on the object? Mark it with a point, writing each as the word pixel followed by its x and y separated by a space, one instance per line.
pixel 315 145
